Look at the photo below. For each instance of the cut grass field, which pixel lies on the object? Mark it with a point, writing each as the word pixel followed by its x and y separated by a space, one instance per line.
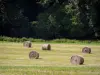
pixel 14 59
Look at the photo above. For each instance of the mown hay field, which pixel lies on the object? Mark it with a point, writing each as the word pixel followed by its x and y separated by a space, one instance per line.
pixel 14 59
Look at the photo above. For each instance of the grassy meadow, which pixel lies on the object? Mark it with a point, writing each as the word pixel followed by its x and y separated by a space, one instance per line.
pixel 14 59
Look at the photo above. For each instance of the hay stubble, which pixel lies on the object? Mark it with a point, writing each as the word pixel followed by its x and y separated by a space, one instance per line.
pixel 13 54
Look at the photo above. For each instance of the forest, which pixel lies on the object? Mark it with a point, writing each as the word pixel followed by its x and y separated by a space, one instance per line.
pixel 50 19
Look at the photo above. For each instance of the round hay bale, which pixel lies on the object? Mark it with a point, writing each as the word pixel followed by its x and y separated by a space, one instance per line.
pixel 46 47
pixel 27 44
pixel 33 55
pixel 77 60
pixel 86 50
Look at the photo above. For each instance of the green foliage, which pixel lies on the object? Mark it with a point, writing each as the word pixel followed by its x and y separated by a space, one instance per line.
pixel 58 19
pixel 63 40
pixel 64 22
pixel 46 28
pixel 9 39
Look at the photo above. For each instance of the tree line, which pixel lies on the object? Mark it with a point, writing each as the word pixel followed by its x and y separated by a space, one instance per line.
pixel 50 19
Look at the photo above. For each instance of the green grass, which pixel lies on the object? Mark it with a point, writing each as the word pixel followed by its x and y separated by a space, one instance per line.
pixel 14 59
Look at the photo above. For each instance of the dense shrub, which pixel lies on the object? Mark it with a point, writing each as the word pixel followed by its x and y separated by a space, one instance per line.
pixel 63 40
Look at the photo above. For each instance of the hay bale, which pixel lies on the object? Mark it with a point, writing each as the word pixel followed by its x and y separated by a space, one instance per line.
pixel 86 50
pixel 46 47
pixel 77 60
pixel 27 44
pixel 33 55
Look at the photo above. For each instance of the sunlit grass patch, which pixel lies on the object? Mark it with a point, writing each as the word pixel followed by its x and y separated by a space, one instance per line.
pixel 14 60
